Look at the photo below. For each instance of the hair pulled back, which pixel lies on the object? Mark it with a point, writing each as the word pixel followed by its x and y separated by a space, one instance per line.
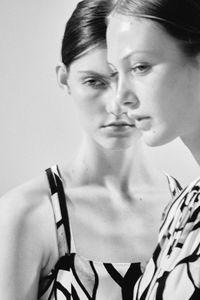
pixel 180 18
pixel 86 28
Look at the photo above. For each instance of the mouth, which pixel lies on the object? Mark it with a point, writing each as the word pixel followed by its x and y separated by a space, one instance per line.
pixel 143 122
pixel 139 119
pixel 118 125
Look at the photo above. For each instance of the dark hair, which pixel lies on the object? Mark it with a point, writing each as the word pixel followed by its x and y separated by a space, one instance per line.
pixel 85 28
pixel 180 18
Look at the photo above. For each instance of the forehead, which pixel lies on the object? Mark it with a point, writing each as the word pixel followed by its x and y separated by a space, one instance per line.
pixel 92 59
pixel 134 35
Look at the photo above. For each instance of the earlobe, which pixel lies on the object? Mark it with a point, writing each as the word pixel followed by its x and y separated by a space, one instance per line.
pixel 62 76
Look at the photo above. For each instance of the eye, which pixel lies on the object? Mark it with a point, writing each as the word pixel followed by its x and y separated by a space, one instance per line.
pixel 141 69
pixel 114 74
pixel 96 83
pixel 113 70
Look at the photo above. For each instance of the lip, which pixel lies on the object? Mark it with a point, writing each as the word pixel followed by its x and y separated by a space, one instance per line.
pixel 118 124
pixel 140 117
pixel 143 122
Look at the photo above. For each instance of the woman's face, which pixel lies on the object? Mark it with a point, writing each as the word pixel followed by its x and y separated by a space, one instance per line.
pixel 92 88
pixel 157 76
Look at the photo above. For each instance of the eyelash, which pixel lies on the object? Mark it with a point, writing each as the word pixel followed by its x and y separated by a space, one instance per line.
pixel 96 83
pixel 145 68
pixel 114 74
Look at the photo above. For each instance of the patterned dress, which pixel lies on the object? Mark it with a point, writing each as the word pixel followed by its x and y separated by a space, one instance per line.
pixel 173 272
pixel 75 277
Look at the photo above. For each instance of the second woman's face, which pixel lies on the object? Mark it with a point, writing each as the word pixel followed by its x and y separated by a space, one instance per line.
pixel 154 72
pixel 92 88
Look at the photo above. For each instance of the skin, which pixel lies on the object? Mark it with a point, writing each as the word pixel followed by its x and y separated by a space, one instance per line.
pixel 163 84
pixel 115 196
pixel 111 169
pixel 97 106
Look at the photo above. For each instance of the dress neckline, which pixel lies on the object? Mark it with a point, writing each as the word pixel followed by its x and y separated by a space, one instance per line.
pixel 56 170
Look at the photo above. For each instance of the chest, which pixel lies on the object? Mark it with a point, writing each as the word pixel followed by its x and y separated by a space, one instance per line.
pixel 107 231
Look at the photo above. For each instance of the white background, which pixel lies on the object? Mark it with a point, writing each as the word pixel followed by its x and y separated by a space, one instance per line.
pixel 38 123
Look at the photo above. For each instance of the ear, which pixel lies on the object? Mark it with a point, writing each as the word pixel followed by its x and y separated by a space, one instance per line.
pixel 62 76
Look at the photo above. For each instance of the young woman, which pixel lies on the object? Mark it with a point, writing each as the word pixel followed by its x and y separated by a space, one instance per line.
pixel 109 196
pixel 155 57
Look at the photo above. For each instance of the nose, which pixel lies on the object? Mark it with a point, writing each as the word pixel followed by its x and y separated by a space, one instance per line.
pixel 114 107
pixel 123 99
pixel 125 94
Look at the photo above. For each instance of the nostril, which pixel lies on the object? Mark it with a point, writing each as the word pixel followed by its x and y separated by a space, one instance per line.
pixel 132 102
pixel 128 102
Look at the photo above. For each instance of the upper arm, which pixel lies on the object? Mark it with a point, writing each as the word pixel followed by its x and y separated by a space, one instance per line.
pixel 22 247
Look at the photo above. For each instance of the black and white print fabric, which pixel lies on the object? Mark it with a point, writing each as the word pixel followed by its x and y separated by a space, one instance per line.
pixel 173 272
pixel 75 277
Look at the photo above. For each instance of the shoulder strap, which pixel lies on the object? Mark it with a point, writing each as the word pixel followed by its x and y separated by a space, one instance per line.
pixel 175 189
pixel 174 185
pixel 59 204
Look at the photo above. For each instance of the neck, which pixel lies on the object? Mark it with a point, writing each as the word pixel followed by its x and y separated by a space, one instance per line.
pixel 192 141
pixel 96 165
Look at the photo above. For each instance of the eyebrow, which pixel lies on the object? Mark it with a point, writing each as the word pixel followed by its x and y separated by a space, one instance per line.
pixel 133 52
pixel 94 73
pixel 112 67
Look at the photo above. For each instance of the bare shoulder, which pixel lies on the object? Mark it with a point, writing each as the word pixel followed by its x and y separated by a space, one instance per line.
pixel 27 222
pixel 25 198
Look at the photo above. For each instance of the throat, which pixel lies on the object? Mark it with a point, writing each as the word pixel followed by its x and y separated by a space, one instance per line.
pixel 95 163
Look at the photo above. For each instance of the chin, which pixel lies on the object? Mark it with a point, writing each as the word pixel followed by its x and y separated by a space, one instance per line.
pixel 156 138
pixel 116 144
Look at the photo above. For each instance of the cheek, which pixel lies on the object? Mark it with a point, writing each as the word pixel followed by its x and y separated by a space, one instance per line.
pixel 90 109
pixel 163 94
pixel 84 99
